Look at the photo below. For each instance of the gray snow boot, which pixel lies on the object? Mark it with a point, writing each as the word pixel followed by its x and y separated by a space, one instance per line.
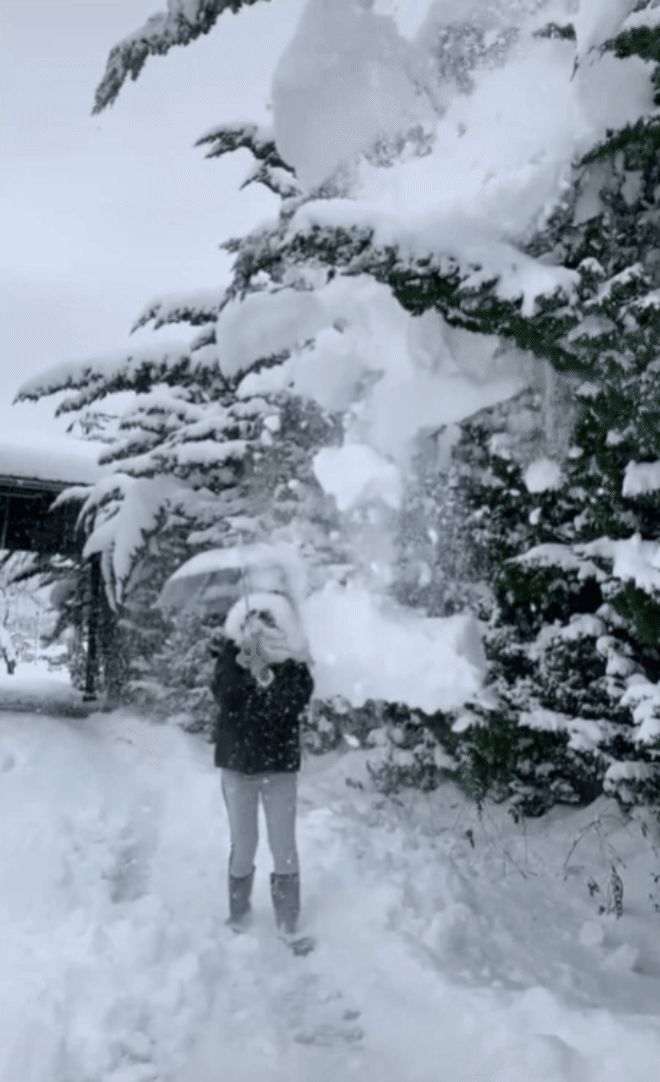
pixel 285 893
pixel 240 891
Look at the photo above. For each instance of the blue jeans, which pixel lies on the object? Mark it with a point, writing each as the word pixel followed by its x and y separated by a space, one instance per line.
pixel 278 792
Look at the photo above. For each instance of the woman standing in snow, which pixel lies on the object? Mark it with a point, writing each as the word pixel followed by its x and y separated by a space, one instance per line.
pixel 262 683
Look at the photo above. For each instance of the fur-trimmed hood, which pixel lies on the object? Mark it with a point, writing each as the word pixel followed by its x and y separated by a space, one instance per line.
pixel 281 609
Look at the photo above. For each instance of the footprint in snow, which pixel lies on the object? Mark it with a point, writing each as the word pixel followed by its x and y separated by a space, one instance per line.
pixel 7 761
pixel 316 1016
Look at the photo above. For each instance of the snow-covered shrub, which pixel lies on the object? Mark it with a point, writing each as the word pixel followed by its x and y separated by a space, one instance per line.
pixel 406 754
pixel 328 723
pixel 333 723
pixel 321 730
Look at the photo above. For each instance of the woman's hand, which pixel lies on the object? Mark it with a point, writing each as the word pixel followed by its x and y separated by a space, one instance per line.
pixel 274 645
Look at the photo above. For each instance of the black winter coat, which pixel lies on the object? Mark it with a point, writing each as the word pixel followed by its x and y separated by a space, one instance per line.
pixel 258 729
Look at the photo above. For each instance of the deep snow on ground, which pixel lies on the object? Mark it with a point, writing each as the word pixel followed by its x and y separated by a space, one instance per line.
pixel 34 687
pixel 471 947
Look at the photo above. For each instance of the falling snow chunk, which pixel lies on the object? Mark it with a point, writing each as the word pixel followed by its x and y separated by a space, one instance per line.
pixel 264 324
pixel 346 79
pixel 542 475
pixel 356 474
pixel 434 663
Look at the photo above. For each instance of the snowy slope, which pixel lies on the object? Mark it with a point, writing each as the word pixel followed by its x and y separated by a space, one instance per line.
pixel 482 961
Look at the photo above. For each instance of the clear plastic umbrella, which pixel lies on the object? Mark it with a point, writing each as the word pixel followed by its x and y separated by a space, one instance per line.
pixel 213 580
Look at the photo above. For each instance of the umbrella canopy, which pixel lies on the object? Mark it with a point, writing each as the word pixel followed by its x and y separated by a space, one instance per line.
pixel 212 581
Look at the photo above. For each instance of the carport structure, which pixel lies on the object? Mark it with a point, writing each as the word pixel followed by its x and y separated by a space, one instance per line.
pixel 32 476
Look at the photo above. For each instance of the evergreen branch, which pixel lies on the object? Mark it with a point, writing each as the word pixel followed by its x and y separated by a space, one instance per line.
pixel 423 284
pixel 270 169
pixel 140 374
pixel 227 138
pixel 641 138
pixel 197 309
pixel 206 337
pixel 275 179
pixel 641 41
pixel 179 25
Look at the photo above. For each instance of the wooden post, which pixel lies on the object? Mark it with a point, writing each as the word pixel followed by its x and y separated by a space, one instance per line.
pixel 5 523
pixel 92 667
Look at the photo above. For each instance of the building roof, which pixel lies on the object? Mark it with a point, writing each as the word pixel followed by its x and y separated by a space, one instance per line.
pixel 48 463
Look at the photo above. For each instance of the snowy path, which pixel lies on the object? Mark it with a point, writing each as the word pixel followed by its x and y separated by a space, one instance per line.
pixel 466 964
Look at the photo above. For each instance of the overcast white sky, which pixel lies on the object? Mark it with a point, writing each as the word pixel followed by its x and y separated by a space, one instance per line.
pixel 98 214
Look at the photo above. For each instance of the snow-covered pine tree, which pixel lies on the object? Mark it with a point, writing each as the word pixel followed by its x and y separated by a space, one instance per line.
pixel 193 464
pixel 539 298
pixel 581 536
pixel 579 606
pixel 572 542
pixel 198 458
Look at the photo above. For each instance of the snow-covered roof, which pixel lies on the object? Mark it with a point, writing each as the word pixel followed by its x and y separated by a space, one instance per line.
pixel 51 460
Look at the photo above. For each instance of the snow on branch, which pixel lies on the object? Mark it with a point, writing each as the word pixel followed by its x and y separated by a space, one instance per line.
pixel 449 244
pixel 278 180
pixel 633 559
pixel 197 309
pixel 98 378
pixel 122 519
pixel 183 22
pixel 122 450
pixel 645 14
pixel 639 35
pixel 163 433
pixel 641 478
pixel 562 557
pixel 475 280
pixel 205 338
pixel 270 169
pixel 598 22
pixel 259 140
pixel 180 459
